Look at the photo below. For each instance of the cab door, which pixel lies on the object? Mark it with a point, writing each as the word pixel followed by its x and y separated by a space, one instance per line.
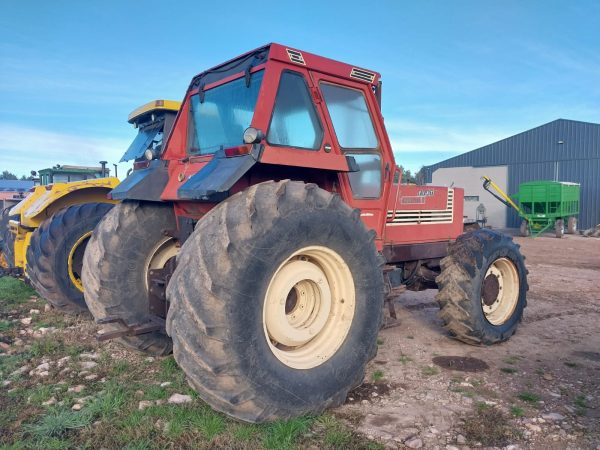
pixel 351 110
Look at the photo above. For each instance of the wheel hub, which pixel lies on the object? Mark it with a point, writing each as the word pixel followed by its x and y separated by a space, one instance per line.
pixel 491 289
pixel 309 307
pixel 500 291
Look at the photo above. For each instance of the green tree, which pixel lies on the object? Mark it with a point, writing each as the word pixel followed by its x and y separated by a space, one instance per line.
pixel 6 175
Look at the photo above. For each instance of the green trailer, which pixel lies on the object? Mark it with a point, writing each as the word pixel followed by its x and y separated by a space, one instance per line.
pixel 543 205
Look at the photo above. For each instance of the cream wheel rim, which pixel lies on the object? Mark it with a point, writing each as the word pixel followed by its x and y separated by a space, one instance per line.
pixel 164 250
pixel 309 307
pixel 500 291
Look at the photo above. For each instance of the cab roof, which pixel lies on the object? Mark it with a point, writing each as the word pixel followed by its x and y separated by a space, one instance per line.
pixel 287 55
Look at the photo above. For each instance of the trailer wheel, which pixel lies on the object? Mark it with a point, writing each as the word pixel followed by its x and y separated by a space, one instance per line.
pixel 7 246
pixel 482 287
pixel 524 229
pixel 128 243
pixel 276 302
pixel 572 225
pixel 559 228
pixel 55 255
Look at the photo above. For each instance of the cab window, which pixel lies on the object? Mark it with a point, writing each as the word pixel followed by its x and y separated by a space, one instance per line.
pixel 366 183
pixel 350 117
pixel 295 122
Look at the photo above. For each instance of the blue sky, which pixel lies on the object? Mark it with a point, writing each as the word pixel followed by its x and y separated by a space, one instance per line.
pixel 457 75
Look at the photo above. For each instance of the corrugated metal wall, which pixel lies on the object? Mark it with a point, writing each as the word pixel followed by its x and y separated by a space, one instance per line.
pixel 537 154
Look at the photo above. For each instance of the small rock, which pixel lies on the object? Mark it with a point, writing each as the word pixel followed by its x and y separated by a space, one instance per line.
pixel 62 361
pixel 91 377
pixel 553 416
pixel 460 439
pixel 4 346
pixel 165 384
pixel 20 371
pixel 34 311
pixel 414 443
pixel 43 373
pixel 160 402
pixel 364 402
pixel 534 428
pixel 26 321
pixel 76 407
pixel 77 389
pixel 149 359
pixel 451 447
pixel 145 404
pixel 139 393
pixel 93 355
pixel 511 447
pixel 6 383
pixel 50 402
pixel 179 399
pixel 88 364
pixel 47 308
pixel 374 394
pixel 548 377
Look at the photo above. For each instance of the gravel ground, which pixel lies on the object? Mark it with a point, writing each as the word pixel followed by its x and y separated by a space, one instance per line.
pixel 539 390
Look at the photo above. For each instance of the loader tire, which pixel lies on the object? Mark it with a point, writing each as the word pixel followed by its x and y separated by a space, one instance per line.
pixel 482 287
pixel 559 228
pixel 55 255
pixel 572 225
pixel 245 281
pixel 115 270
pixel 7 244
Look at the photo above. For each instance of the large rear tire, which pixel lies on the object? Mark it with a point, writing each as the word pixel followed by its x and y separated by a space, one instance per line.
pixel 128 243
pixel 55 255
pixel 276 302
pixel 7 239
pixel 482 287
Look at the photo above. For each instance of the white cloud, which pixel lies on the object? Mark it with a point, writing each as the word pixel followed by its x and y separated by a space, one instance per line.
pixel 23 149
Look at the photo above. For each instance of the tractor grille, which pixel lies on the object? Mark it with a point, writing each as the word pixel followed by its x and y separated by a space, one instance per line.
pixel 424 216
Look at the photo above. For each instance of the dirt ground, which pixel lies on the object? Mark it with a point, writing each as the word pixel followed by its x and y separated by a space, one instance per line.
pixel 539 390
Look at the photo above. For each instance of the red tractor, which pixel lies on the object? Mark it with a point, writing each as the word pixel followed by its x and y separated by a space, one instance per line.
pixel 266 236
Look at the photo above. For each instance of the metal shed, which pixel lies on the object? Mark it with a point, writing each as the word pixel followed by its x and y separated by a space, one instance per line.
pixel 561 150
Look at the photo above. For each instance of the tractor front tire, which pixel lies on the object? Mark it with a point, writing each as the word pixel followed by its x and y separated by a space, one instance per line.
pixel 127 243
pixel 55 255
pixel 482 288
pixel 276 302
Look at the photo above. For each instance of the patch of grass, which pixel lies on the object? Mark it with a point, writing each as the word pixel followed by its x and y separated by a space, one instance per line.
pixel 380 341
pixel 510 370
pixel 405 359
pixel 337 435
pixel 40 394
pixel 120 367
pixel 56 422
pixel 14 292
pixel 283 435
pixel 245 432
pixel 5 325
pixel 489 426
pixel 429 371
pixel 169 367
pixel 47 346
pixel 570 364
pixel 517 411
pixel 512 359
pixel 377 375
pixel 109 402
pixel 528 397
pixel 580 405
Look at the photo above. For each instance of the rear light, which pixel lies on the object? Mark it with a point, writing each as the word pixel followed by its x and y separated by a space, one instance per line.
pixel 237 151
pixel 138 165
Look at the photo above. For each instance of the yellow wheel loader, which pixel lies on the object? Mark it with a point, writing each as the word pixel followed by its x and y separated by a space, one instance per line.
pixel 44 236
